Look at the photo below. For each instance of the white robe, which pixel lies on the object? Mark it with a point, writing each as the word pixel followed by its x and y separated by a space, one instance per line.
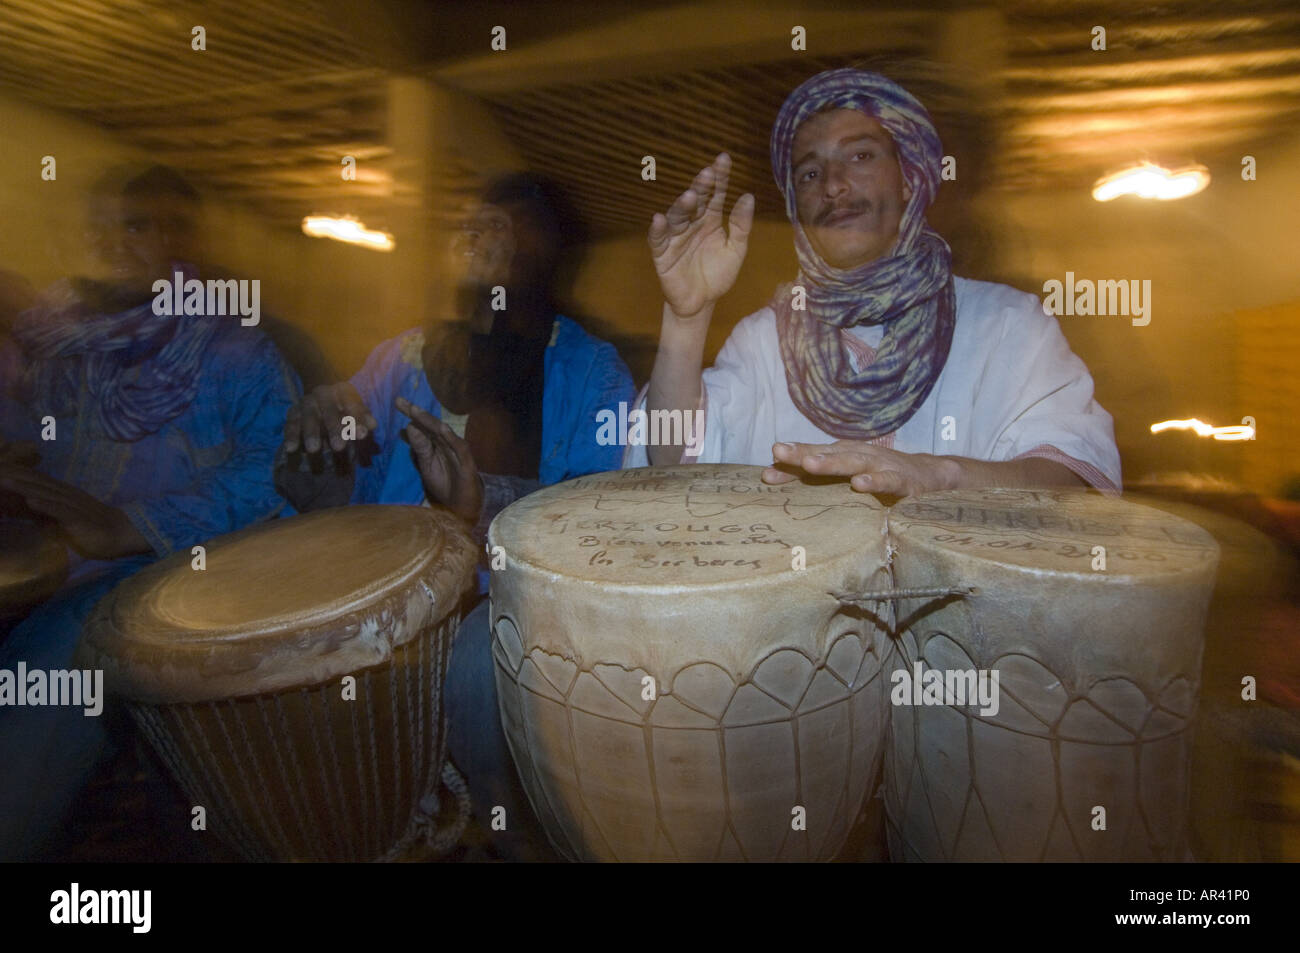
pixel 1011 386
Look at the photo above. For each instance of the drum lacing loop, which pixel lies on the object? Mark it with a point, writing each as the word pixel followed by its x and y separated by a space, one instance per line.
pixel 424 825
pixel 889 595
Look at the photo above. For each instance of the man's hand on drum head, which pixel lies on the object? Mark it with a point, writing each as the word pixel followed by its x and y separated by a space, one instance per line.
pixel 697 260
pixel 319 418
pixel 446 465
pixel 869 468
pixel 96 530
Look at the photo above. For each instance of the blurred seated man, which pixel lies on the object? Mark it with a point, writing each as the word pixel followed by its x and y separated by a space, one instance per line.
pixel 136 435
pixel 876 365
pixel 172 211
pixel 471 414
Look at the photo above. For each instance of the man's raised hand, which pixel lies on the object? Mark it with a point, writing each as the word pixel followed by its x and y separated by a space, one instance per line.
pixel 696 257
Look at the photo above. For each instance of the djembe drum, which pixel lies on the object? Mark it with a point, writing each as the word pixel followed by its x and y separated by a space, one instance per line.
pixel 33 564
pixel 1091 610
pixel 293 685
pixel 678 678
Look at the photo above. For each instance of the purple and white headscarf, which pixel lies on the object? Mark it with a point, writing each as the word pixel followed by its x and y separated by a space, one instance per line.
pixel 140 369
pixel 909 291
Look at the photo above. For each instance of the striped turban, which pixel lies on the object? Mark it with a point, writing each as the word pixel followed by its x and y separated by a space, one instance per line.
pixel 140 369
pixel 909 290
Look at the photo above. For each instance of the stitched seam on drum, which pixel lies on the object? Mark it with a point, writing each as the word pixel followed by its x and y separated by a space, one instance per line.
pixel 420 678
pixel 296 793
pixel 150 722
pixel 1060 787
pixel 574 849
pixel 259 848
pixel 384 832
pixel 970 748
pixel 925 788
pixel 228 821
pixel 589 816
pixel 220 801
pixel 348 830
pixel 647 731
pixel 263 803
pixel 160 738
pixel 292 844
pixel 728 827
pixel 363 826
pixel 326 788
pixel 437 752
pixel 409 704
pixel 398 760
pixel 841 808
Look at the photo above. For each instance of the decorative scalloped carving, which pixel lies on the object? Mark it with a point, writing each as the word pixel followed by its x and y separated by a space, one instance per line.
pixel 710 796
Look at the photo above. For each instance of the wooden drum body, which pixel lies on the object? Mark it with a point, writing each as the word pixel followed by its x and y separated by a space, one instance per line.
pixel 677 680
pixel 1099 670
pixel 236 674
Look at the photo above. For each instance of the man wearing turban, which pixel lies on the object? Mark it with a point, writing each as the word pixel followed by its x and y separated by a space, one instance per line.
pixel 875 364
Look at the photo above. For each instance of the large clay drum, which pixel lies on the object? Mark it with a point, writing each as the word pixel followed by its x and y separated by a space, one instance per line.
pixel 293 683
pixel 1090 611
pixel 678 678
pixel 33 564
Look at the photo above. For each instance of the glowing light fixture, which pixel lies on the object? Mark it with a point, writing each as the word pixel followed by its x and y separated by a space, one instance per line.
pixel 1150 181
pixel 1235 432
pixel 347 229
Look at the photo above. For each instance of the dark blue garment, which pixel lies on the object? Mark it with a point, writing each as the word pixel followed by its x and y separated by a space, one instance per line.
pixel 582 375
pixel 205 472
pixel 47 754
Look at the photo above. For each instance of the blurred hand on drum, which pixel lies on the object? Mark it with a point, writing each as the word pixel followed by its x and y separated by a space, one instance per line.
pixel 446 465
pixel 313 429
pixel 696 259
pixel 94 529
pixel 874 469
pixel 871 469
pixel 318 418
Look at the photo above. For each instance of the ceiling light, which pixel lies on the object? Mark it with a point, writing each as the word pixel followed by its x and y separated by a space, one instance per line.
pixel 1235 432
pixel 1150 181
pixel 347 229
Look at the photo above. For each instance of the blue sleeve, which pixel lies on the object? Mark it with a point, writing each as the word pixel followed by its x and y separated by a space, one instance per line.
pixel 607 383
pixel 255 390
pixel 384 472
pixel 377 382
pixel 16 419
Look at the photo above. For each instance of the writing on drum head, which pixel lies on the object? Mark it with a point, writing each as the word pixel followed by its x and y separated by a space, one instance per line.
pixel 1068 550
pixel 1037 528
pixel 640 549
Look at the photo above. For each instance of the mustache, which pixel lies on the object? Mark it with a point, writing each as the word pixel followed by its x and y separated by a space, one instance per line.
pixel 855 207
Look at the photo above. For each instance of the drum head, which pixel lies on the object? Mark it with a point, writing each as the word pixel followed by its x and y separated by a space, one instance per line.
pixel 283 604
pixel 685 527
